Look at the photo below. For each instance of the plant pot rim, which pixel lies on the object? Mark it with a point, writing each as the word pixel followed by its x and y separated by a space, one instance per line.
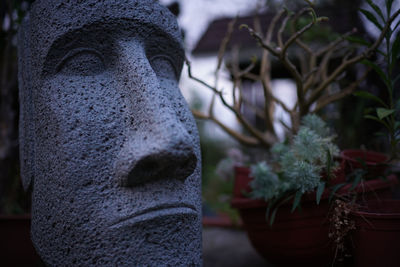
pixel 351 155
pixel 385 209
pixel 366 186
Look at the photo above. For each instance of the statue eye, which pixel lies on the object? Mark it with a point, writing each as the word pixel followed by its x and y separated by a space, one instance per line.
pixel 163 67
pixel 83 62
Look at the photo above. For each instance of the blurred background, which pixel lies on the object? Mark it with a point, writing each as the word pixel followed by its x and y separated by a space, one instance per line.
pixel 204 24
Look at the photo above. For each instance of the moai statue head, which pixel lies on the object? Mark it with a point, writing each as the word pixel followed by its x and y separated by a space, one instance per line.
pixel 108 144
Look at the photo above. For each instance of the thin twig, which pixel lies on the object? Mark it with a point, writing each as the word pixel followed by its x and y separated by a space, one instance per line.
pixel 267 142
pixel 282 29
pixel 245 140
pixel 347 63
pixel 342 93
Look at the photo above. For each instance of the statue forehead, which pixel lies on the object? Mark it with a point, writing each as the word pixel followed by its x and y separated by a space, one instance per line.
pixel 49 20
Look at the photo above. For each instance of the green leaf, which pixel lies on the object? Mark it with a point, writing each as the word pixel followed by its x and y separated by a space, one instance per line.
pixel 296 200
pixel 388 4
pixel 278 202
pixel 378 70
pixel 367 95
pixel 381 53
pixel 377 120
pixel 395 51
pixel 396 79
pixel 380 134
pixel 273 215
pixel 376 8
pixel 335 189
pixel 371 117
pixel 369 110
pixel 384 112
pixel 371 18
pixel 268 211
pixel 397 25
pixel 356 181
pixel 320 191
pixel 358 40
pixel 397 125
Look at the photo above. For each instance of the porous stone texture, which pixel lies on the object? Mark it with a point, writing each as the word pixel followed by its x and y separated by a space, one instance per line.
pixel 107 142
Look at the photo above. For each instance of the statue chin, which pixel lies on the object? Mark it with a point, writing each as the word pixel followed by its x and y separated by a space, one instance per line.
pixel 159 240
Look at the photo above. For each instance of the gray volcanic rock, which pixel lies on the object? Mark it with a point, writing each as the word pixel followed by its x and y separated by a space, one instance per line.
pixel 107 142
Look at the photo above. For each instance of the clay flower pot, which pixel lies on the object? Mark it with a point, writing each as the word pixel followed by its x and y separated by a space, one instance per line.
pixel 242 182
pixel 377 234
pixel 298 238
pixel 374 163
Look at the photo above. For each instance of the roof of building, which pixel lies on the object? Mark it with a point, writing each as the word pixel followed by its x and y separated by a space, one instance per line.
pixel 341 20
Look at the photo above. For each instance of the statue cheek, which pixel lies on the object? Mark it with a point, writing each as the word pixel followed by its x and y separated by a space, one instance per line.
pixel 82 121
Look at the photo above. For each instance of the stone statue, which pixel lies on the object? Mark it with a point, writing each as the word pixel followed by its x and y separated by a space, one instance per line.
pixel 108 144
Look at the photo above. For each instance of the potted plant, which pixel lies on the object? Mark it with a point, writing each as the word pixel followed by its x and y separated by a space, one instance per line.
pixel 377 222
pixel 276 190
pixel 301 175
pixel 297 175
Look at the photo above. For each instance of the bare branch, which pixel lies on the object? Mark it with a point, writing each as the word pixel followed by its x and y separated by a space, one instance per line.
pixel 254 108
pixel 252 130
pixel 260 40
pixel 347 63
pixel 236 84
pixel 282 29
pixel 272 25
pixel 257 24
pixel 252 76
pixel 225 42
pixel 200 115
pixel 341 94
pixel 280 103
pixel 334 44
pixel 299 33
pixel 211 107
pixel 243 139
pixel 247 70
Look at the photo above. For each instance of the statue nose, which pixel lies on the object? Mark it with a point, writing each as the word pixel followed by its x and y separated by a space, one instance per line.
pixel 159 141
pixel 175 160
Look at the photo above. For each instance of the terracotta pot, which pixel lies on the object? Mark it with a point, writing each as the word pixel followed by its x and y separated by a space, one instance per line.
pixel 375 163
pixel 16 248
pixel 242 181
pixel 298 238
pixel 295 239
pixel 377 234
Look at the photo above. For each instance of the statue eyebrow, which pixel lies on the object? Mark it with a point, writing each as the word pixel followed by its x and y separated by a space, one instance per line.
pixel 97 37
pixel 76 51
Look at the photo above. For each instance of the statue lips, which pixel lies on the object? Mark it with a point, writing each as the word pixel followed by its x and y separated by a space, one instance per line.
pixel 151 213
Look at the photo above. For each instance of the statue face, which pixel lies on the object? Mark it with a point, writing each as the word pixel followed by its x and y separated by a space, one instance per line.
pixel 115 156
